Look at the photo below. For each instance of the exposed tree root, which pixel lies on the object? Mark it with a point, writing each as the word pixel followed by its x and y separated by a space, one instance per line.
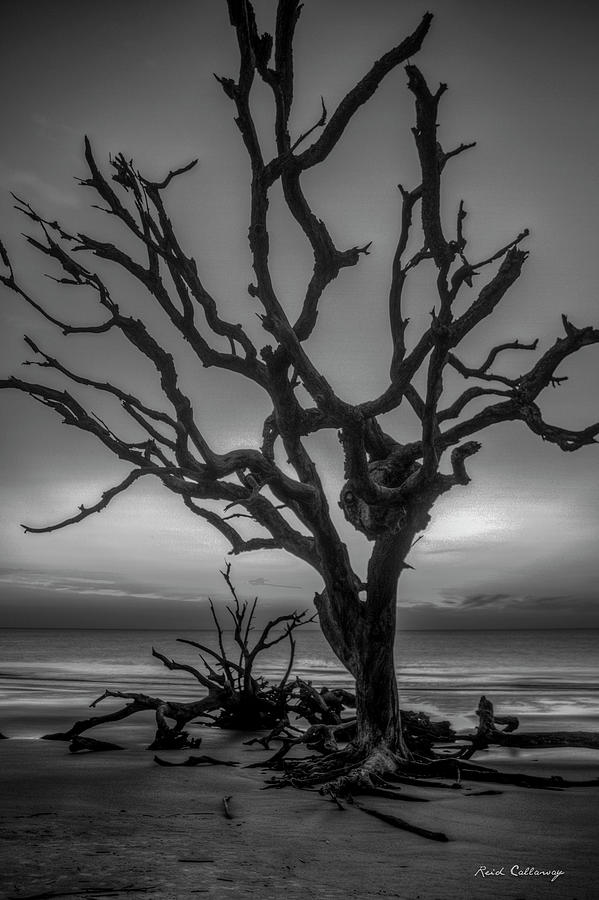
pixel 339 768
pixel 402 824
pixel 459 770
pixel 350 771
pixel 168 737
pixel 240 699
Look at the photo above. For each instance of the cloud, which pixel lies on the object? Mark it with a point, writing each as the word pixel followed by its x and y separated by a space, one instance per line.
pixel 112 592
pixel 51 128
pixel 36 188
pixel 521 604
pixel 478 600
pixel 44 189
pixel 445 546
pixel 83 580
pixel 462 609
pixel 265 583
pixel 91 587
pixel 201 598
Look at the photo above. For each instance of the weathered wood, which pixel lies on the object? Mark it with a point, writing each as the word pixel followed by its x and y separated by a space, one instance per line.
pixel 421 734
pixel 196 761
pixel 488 734
pixel 396 822
pixel 314 707
pixel 91 745
pixel 547 739
pixel 241 699
pixel 167 737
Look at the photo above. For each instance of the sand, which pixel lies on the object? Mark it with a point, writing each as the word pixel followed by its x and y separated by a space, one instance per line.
pixel 75 825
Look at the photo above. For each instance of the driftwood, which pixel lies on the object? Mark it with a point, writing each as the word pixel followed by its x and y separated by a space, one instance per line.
pixel 196 761
pixel 167 736
pixel 487 733
pixel 421 734
pixel 402 824
pixel 338 767
pixel 325 738
pixel 240 698
pixel 91 745
pixel 344 773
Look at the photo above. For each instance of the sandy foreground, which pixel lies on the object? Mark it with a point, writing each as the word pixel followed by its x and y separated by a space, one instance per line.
pixel 116 824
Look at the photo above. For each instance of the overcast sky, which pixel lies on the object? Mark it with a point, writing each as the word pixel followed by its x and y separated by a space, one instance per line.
pixel 518 547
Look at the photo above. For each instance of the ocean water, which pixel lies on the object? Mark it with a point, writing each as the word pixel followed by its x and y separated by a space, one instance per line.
pixel 549 679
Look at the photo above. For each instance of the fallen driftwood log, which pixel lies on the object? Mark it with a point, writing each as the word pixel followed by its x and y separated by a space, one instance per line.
pixel 488 734
pixel 91 745
pixel 401 823
pixel 196 761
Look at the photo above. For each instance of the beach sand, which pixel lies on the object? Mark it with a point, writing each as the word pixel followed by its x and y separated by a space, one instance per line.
pixel 76 825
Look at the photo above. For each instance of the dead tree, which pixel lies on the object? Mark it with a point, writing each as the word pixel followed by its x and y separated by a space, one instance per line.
pixel 390 484
pixel 240 698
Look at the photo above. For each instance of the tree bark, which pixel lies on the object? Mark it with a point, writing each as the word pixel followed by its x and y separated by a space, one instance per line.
pixel 377 704
pixel 364 643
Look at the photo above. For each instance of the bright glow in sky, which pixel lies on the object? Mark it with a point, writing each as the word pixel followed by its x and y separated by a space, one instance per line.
pixel 518 547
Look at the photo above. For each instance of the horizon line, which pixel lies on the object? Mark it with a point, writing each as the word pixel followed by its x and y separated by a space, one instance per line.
pixel 226 630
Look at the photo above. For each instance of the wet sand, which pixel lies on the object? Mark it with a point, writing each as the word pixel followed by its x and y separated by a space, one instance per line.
pixel 87 824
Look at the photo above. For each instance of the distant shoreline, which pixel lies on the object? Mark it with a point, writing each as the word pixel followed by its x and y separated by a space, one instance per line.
pixel 171 628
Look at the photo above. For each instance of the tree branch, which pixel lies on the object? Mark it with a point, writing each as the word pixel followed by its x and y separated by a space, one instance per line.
pixel 482 371
pixel 542 374
pixel 85 512
pixel 473 393
pixel 490 295
pixel 565 438
pixel 160 240
pixel 238 544
pixel 425 134
pixel 361 93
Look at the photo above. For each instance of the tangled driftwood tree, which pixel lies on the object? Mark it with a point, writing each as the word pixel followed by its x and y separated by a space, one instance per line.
pixel 239 696
pixel 390 484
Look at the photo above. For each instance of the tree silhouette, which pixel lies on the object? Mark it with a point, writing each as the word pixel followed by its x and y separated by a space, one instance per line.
pixel 390 485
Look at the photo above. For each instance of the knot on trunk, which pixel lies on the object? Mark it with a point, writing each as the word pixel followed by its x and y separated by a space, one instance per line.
pixel 386 514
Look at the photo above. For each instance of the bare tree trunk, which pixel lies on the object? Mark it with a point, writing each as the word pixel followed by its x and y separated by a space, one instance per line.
pixel 377 705
pixel 362 636
pixel 379 721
